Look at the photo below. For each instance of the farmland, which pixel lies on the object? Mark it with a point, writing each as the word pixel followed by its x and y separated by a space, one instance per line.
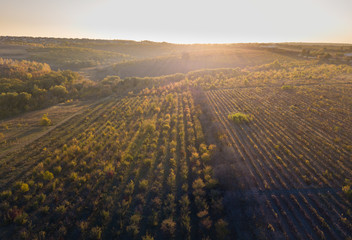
pixel 282 159
pixel 256 146
pixel 152 177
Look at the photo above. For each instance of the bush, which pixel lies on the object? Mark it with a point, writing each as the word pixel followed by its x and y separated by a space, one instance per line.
pixel 240 117
pixel 95 233
pixel 57 169
pixel 61 209
pixel 221 228
pixel 24 187
pixel 21 219
pixel 148 237
pixel 47 176
pixel 347 189
pixel 45 121
pixel 143 185
pixel 168 226
pixel 6 194
pixel 59 91
pixel 287 87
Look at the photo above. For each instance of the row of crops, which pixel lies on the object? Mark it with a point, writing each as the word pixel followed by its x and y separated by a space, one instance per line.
pixel 128 168
pixel 293 157
pixel 267 155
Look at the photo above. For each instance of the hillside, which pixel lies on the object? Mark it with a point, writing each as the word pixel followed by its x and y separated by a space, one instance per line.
pixel 28 85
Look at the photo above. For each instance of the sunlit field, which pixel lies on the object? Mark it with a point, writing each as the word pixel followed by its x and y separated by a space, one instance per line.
pixel 112 139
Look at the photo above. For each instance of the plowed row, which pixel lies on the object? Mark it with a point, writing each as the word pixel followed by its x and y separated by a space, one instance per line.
pixel 293 157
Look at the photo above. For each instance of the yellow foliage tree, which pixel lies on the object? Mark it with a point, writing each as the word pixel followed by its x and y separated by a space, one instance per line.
pixel 45 121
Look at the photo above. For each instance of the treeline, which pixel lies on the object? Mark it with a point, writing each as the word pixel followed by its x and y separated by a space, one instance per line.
pixel 65 57
pixel 272 74
pixel 26 86
pixel 139 85
pixel 137 49
pixel 22 69
pixel 277 73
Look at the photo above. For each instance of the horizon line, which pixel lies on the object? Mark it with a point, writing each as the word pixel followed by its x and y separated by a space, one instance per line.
pixel 177 43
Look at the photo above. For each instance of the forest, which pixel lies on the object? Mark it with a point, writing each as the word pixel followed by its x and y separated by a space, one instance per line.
pixel 113 139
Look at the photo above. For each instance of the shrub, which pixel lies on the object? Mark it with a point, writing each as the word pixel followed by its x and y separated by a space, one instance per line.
pixel 105 215
pixel 206 223
pixel 129 188
pixel 47 176
pixel 168 226
pixel 240 117
pixel 83 226
pixel 61 209
pixel 287 87
pixel 221 228
pixel 21 218
pixel 143 185
pixel 6 194
pixel 24 187
pixel 205 157
pixel 17 215
pixel 57 169
pixel 41 235
pixel 41 197
pixel 133 228
pixel 73 176
pixel 44 209
pixel 198 187
pixel 147 163
pixel 347 189
pixel 271 228
pixel 147 237
pixel 59 91
pixel 149 127
pixel 95 233
pixel 45 121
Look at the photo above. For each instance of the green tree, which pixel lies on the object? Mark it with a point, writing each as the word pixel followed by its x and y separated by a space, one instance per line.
pixel 59 91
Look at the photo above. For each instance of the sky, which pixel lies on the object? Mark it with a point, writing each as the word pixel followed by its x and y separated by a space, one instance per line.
pixel 181 21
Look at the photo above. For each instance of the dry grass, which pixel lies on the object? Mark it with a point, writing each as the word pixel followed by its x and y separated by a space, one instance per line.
pixel 23 129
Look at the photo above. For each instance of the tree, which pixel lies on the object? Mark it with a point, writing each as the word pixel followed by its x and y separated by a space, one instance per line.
pixel 168 226
pixel 111 81
pixel 24 187
pixel 23 100
pixel 59 91
pixel 221 228
pixel 95 233
pixel 45 121
pixel 148 237
pixel 47 176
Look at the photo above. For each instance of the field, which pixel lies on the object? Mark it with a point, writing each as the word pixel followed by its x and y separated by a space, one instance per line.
pixel 149 178
pixel 292 158
pixel 20 131
pixel 241 142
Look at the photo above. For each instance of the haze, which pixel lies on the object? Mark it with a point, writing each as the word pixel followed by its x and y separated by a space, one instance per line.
pixel 181 21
